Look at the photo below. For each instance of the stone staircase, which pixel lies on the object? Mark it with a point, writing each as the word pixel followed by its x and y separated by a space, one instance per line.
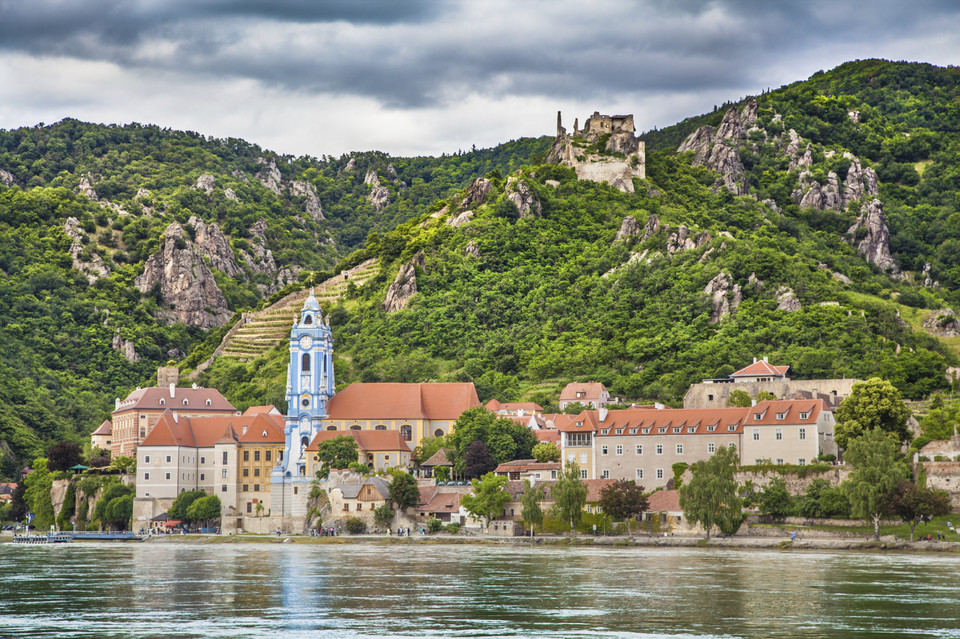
pixel 256 333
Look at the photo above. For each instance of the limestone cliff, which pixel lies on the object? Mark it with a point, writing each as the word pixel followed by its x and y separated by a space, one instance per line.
pixel 870 235
pixel 88 263
pixel 717 149
pixel 211 243
pixel 725 297
pixel 526 201
pixel 311 204
pixel 185 282
pixel 404 286
pixel 379 196
pixel 621 158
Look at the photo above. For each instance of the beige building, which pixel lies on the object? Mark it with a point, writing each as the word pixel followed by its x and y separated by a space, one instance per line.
pixel 642 444
pixel 102 438
pixel 589 394
pixel 377 450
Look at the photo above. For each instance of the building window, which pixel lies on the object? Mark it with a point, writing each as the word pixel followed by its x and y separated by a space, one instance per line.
pixel 639 473
pixel 406 432
pixel 246 488
pixel 639 449
pixel 246 456
pixel 203 476
pixel 756 434
pixel 256 489
pixel 438 432
pixel 779 433
pixel 801 462
pixel 379 427
pixel 249 507
pixel 246 472
pixel 223 473
pixel 346 508
pixel 804 415
pixel 710 447
pixel 781 416
pixel 167 476
pixel 605 474
pixel 583 474
pixel 146 459
pixel 659 449
pixel 803 433
pixel 679 449
pixel 619 450
pixel 603 450
pixel 203 460
pixel 583 458
pixel 305 363
pixel 146 476
pixel 225 458
pixel 169 459
pixel 223 488
pixel 709 398
pixel 659 473
pixel 266 455
pixel 710 429
pixel 256 472
pixel 779 462
pixel 256 455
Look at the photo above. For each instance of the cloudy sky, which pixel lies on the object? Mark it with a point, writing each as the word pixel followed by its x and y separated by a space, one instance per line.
pixel 410 77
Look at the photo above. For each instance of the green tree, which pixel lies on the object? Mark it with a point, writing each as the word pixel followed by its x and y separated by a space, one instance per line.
pixel 711 497
pixel 39 483
pixel 205 510
pixel 530 510
pixel 338 452
pixel 63 455
pixel 739 398
pixel 913 504
pixel 876 473
pixel 623 500
pixel 570 494
pixel 178 510
pixel 872 404
pixel 546 452
pixel 404 491
pixel 488 497
pixel 383 516
pixel 356 526
pixel 822 500
pixel 775 500
pixel 119 512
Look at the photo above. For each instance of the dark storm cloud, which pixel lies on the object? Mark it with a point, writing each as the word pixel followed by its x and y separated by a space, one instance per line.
pixel 412 54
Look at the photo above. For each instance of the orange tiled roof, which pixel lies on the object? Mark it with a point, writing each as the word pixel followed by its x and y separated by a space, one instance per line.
pixel 403 401
pixel 590 390
pixel 262 423
pixel 761 368
pixel 106 428
pixel 551 435
pixel 439 458
pixel 664 501
pixel 765 412
pixel 635 421
pixel 595 486
pixel 256 410
pixel 434 501
pixel 525 465
pixel 196 398
pixel 204 432
pixel 366 439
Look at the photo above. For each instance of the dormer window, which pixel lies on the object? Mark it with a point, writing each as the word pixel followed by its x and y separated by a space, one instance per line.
pixel 186 402
pixel 633 431
pixel 619 431
pixel 209 403
pixel 804 415
pixel 731 428
pixel 781 416
pixel 264 433
pixel 676 429
pixel 692 429
pixel 163 402
pixel 579 424
pixel 710 429
pixel 646 431
pixel 662 429
pixel 605 431
pixel 758 416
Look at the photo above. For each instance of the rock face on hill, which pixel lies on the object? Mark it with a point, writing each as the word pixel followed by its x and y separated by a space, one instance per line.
pixel 311 204
pixel 404 286
pixel 725 297
pixel 526 201
pixel 212 243
pixel 185 282
pixel 717 149
pixel 90 264
pixel 379 196
pixel 871 236
pixel 621 159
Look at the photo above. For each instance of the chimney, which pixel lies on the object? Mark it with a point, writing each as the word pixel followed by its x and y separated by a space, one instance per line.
pixel 603 413
pixel 173 390
pixel 765 359
pixel 176 417
pixel 754 360
pixel 117 404
pixel 753 403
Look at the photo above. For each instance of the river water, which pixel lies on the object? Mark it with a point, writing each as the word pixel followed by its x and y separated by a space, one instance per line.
pixel 399 590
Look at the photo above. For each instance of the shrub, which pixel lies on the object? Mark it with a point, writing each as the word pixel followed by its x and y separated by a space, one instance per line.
pixel 356 526
pixel 434 525
pixel 453 529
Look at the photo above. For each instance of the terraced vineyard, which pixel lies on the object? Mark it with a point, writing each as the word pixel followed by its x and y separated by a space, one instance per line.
pixel 256 333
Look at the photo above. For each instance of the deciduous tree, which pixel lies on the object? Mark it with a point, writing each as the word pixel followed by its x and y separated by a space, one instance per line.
pixel 913 504
pixel 488 497
pixel 874 403
pixel 338 452
pixel 64 455
pixel 570 495
pixel 623 500
pixel 404 491
pixel 711 497
pixel 775 500
pixel 530 510
pixel 546 452
pixel 876 473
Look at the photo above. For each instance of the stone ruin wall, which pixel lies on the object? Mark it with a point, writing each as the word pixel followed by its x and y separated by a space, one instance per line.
pixel 698 396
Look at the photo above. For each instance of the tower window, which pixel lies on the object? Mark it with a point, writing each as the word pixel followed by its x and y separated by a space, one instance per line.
pixel 308 319
pixel 305 363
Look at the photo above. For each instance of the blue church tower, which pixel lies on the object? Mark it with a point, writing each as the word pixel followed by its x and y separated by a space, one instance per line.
pixel 310 386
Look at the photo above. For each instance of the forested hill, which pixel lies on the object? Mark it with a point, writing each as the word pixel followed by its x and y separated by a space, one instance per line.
pixel 87 212
pixel 523 300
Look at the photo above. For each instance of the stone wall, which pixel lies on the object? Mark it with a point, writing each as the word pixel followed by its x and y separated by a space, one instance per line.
pixel 945 476
pixel 717 395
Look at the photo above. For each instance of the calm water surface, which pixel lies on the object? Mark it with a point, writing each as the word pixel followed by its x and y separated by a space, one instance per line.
pixel 365 590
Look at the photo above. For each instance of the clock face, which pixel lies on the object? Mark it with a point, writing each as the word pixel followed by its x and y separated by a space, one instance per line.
pixel 306 342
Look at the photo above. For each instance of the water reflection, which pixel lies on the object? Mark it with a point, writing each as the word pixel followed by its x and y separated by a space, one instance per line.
pixel 354 590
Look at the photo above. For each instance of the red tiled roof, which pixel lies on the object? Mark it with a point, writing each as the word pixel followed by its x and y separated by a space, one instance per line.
pixel 204 432
pixel 525 465
pixel 551 435
pixel 434 501
pixel 790 409
pixel 493 405
pixel 664 501
pixel 403 401
pixel 262 423
pixel 256 410
pixel 653 420
pixel 585 421
pixel 106 428
pixel 761 368
pixel 590 390
pixel 196 398
pixel 595 486
pixel 366 439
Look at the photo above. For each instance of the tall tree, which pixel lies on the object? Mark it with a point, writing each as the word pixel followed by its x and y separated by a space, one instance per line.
pixel 205 510
pixel 876 473
pixel 477 460
pixel 488 497
pixel 711 497
pixel 64 455
pixel 546 452
pixel 913 504
pixel 775 499
pixel 623 500
pixel 530 510
pixel 875 403
pixel 570 495
pixel 404 491
pixel 338 452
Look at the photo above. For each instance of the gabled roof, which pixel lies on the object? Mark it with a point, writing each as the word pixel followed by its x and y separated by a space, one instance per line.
pixel 229 435
pixel 196 400
pixel 261 423
pixel 367 440
pixel 585 421
pixel 525 466
pixel 352 491
pixel 256 410
pixel 761 368
pixel 390 401
pixel 106 428
pixel 590 390
pixel 664 501
pixel 434 501
pixel 551 435
pixel 439 458
pixel 205 432
pixel 595 486
pixel 765 413
pixel 689 420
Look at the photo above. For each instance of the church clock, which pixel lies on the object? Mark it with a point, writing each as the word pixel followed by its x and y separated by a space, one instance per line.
pixel 306 342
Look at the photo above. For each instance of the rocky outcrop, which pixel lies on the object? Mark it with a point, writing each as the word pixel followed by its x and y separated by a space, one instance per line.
pixel 526 201
pixel 755 281
pixel 578 151
pixel 205 183
pixel 90 264
pixel 651 228
pixel 787 300
pixel 86 189
pixel 6 178
pixel 725 297
pixel 683 240
pixel 260 258
pixel 211 243
pixel 460 219
pixel 351 165
pixel 231 195
pixel 860 183
pixel 477 193
pixel 628 228
pixel 311 205
pixel 813 195
pixel 471 249
pixel 871 237
pixel 928 280
pixel 185 282
pixel 379 196
pixel 717 149
pixel 126 347
pixel 269 176
pixel 404 286
pixel 942 323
